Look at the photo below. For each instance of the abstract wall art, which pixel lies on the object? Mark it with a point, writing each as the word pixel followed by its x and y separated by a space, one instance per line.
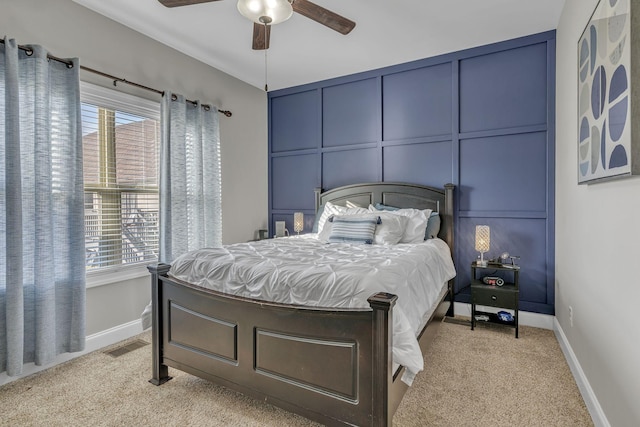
pixel 607 126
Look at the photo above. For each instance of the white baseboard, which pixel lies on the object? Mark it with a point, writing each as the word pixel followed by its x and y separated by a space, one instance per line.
pixel 93 342
pixel 525 318
pixel 593 406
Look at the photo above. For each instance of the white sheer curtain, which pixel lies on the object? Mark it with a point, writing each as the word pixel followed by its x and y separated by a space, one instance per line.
pixel 42 252
pixel 190 184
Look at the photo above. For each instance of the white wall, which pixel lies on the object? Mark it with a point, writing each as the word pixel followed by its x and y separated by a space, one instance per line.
pixel 597 234
pixel 67 29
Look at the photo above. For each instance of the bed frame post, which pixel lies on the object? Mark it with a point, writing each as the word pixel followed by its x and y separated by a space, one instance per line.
pixel 382 304
pixel 316 193
pixel 449 212
pixel 160 372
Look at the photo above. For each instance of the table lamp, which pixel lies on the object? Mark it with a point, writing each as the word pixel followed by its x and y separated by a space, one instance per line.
pixel 298 222
pixel 483 240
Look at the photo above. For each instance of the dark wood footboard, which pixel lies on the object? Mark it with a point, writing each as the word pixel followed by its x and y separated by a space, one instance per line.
pixel 332 366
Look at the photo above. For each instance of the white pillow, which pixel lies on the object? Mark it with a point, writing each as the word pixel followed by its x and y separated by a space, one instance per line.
pixel 331 209
pixel 324 234
pixel 416 226
pixel 391 228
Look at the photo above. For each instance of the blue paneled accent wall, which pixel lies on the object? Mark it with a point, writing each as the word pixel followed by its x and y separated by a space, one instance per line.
pixel 481 118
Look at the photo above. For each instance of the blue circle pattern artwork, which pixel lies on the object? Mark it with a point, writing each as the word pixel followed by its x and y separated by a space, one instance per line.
pixel 604 137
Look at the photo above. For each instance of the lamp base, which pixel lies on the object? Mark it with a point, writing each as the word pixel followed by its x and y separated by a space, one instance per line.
pixel 482 263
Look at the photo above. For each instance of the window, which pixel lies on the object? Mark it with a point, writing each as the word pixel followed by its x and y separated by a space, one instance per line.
pixel 121 138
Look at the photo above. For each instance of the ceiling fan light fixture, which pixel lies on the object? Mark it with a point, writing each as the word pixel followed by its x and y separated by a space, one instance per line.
pixel 266 11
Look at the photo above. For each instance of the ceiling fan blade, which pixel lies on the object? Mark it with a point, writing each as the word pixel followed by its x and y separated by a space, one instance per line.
pixel 176 3
pixel 261 36
pixel 323 16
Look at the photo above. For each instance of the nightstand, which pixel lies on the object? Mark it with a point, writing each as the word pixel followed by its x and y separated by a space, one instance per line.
pixel 505 296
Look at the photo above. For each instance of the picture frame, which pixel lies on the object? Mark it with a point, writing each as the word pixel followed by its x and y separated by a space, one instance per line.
pixel 608 145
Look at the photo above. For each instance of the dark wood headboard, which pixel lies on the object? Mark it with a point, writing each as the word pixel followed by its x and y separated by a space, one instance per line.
pixel 401 195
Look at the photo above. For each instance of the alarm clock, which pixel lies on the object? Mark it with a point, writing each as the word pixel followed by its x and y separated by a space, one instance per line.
pixel 491 280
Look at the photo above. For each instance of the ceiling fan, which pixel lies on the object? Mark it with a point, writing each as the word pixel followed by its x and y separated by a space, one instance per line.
pixel 265 13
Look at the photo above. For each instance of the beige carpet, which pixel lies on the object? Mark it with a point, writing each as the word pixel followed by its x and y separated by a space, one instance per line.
pixel 472 378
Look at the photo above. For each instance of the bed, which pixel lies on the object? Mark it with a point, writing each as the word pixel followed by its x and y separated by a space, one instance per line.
pixel 332 365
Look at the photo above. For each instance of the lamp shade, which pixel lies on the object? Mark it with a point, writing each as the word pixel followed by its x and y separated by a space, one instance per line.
pixel 298 222
pixel 265 11
pixel 483 238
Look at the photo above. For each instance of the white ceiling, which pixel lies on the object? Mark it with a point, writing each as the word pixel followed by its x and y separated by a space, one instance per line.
pixel 387 32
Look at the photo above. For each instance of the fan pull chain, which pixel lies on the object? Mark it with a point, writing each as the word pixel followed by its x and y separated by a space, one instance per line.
pixel 266 86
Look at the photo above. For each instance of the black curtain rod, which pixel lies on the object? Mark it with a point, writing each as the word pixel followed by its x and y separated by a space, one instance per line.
pixel 115 79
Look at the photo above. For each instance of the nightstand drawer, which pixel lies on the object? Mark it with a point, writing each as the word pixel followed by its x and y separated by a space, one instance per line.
pixel 494 297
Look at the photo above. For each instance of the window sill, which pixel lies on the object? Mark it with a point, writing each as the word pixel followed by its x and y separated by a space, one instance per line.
pixel 110 276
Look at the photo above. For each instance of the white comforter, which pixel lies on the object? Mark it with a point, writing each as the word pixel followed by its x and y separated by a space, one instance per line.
pixel 302 270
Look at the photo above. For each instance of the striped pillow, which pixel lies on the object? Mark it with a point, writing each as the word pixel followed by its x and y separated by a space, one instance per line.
pixel 353 229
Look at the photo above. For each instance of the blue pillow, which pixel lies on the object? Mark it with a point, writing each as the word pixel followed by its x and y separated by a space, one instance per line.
pixel 382 207
pixel 433 226
pixel 352 229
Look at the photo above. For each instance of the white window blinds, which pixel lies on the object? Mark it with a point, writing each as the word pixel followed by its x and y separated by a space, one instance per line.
pixel 121 137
